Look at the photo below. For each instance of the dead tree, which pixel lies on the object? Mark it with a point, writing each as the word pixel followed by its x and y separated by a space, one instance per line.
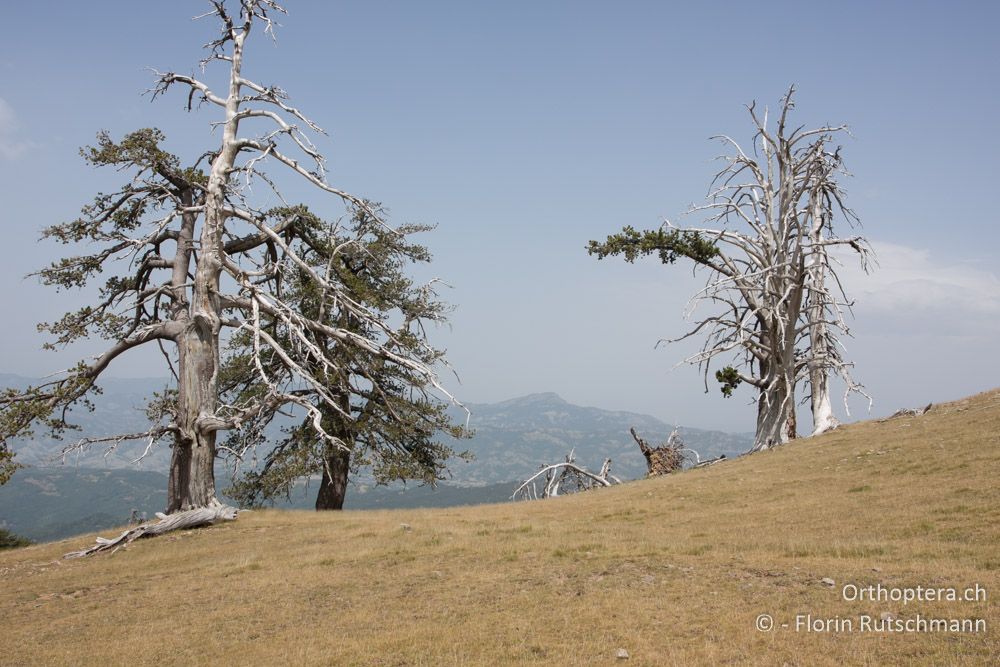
pixel 209 245
pixel 563 478
pixel 825 305
pixel 778 300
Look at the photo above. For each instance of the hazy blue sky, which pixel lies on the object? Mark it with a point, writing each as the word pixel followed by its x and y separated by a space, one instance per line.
pixel 523 129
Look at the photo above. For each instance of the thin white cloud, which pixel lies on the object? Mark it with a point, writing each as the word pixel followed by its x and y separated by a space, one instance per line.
pixel 923 291
pixel 12 145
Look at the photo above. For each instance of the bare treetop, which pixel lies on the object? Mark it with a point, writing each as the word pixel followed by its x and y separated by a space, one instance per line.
pixel 778 302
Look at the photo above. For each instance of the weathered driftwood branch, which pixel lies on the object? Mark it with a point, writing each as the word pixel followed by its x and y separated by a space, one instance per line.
pixel 201 516
pixel 908 412
pixel 565 477
pixel 709 462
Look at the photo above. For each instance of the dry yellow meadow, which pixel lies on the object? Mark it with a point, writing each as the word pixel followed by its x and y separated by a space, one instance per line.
pixel 678 570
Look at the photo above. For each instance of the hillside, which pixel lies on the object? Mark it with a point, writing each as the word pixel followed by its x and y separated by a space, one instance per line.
pixel 676 570
pixel 48 503
pixel 513 438
pixel 51 503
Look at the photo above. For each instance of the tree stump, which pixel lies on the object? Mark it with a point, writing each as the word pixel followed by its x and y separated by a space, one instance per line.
pixel 661 460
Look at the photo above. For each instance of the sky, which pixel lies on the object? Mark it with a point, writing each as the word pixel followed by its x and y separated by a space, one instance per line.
pixel 524 129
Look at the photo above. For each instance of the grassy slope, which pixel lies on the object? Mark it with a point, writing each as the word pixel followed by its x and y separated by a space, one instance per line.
pixel 675 569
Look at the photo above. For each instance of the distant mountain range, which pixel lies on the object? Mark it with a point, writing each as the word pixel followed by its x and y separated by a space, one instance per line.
pixel 512 440
pixel 120 408
pixel 51 503
pixel 515 437
pixel 45 504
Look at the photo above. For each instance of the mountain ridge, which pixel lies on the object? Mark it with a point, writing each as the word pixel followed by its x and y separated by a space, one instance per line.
pixel 512 437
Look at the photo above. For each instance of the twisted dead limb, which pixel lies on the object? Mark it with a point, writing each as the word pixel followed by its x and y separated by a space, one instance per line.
pixel 201 516
pixel 565 477
pixel 710 462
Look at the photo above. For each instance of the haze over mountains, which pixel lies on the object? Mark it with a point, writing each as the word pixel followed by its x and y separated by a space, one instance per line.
pixel 515 437
pixel 512 440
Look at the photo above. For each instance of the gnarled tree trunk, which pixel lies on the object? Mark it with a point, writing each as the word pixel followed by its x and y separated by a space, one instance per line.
pixel 333 488
pixel 192 468
pixel 192 465
pixel 819 339
pixel 775 416
pixel 776 423
pixel 337 456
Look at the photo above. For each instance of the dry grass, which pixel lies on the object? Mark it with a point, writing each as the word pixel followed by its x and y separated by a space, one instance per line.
pixel 675 570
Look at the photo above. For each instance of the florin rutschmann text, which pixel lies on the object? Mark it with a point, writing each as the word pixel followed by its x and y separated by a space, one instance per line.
pixel 888 622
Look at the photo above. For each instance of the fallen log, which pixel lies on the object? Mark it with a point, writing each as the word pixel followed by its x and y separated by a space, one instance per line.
pixel 201 516
pixel 709 462
pixel 908 412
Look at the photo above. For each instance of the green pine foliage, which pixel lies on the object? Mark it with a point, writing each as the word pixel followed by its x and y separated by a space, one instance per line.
pixel 105 226
pixel 7 464
pixel 668 245
pixel 9 540
pixel 388 417
pixel 729 378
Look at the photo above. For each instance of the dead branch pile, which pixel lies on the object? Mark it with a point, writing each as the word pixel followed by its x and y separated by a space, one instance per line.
pixel 201 516
pixel 672 456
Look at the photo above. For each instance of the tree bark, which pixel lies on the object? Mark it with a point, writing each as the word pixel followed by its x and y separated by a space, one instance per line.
pixel 776 395
pixel 192 469
pixel 822 409
pixel 819 341
pixel 192 466
pixel 333 488
pixel 775 416
pixel 337 458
